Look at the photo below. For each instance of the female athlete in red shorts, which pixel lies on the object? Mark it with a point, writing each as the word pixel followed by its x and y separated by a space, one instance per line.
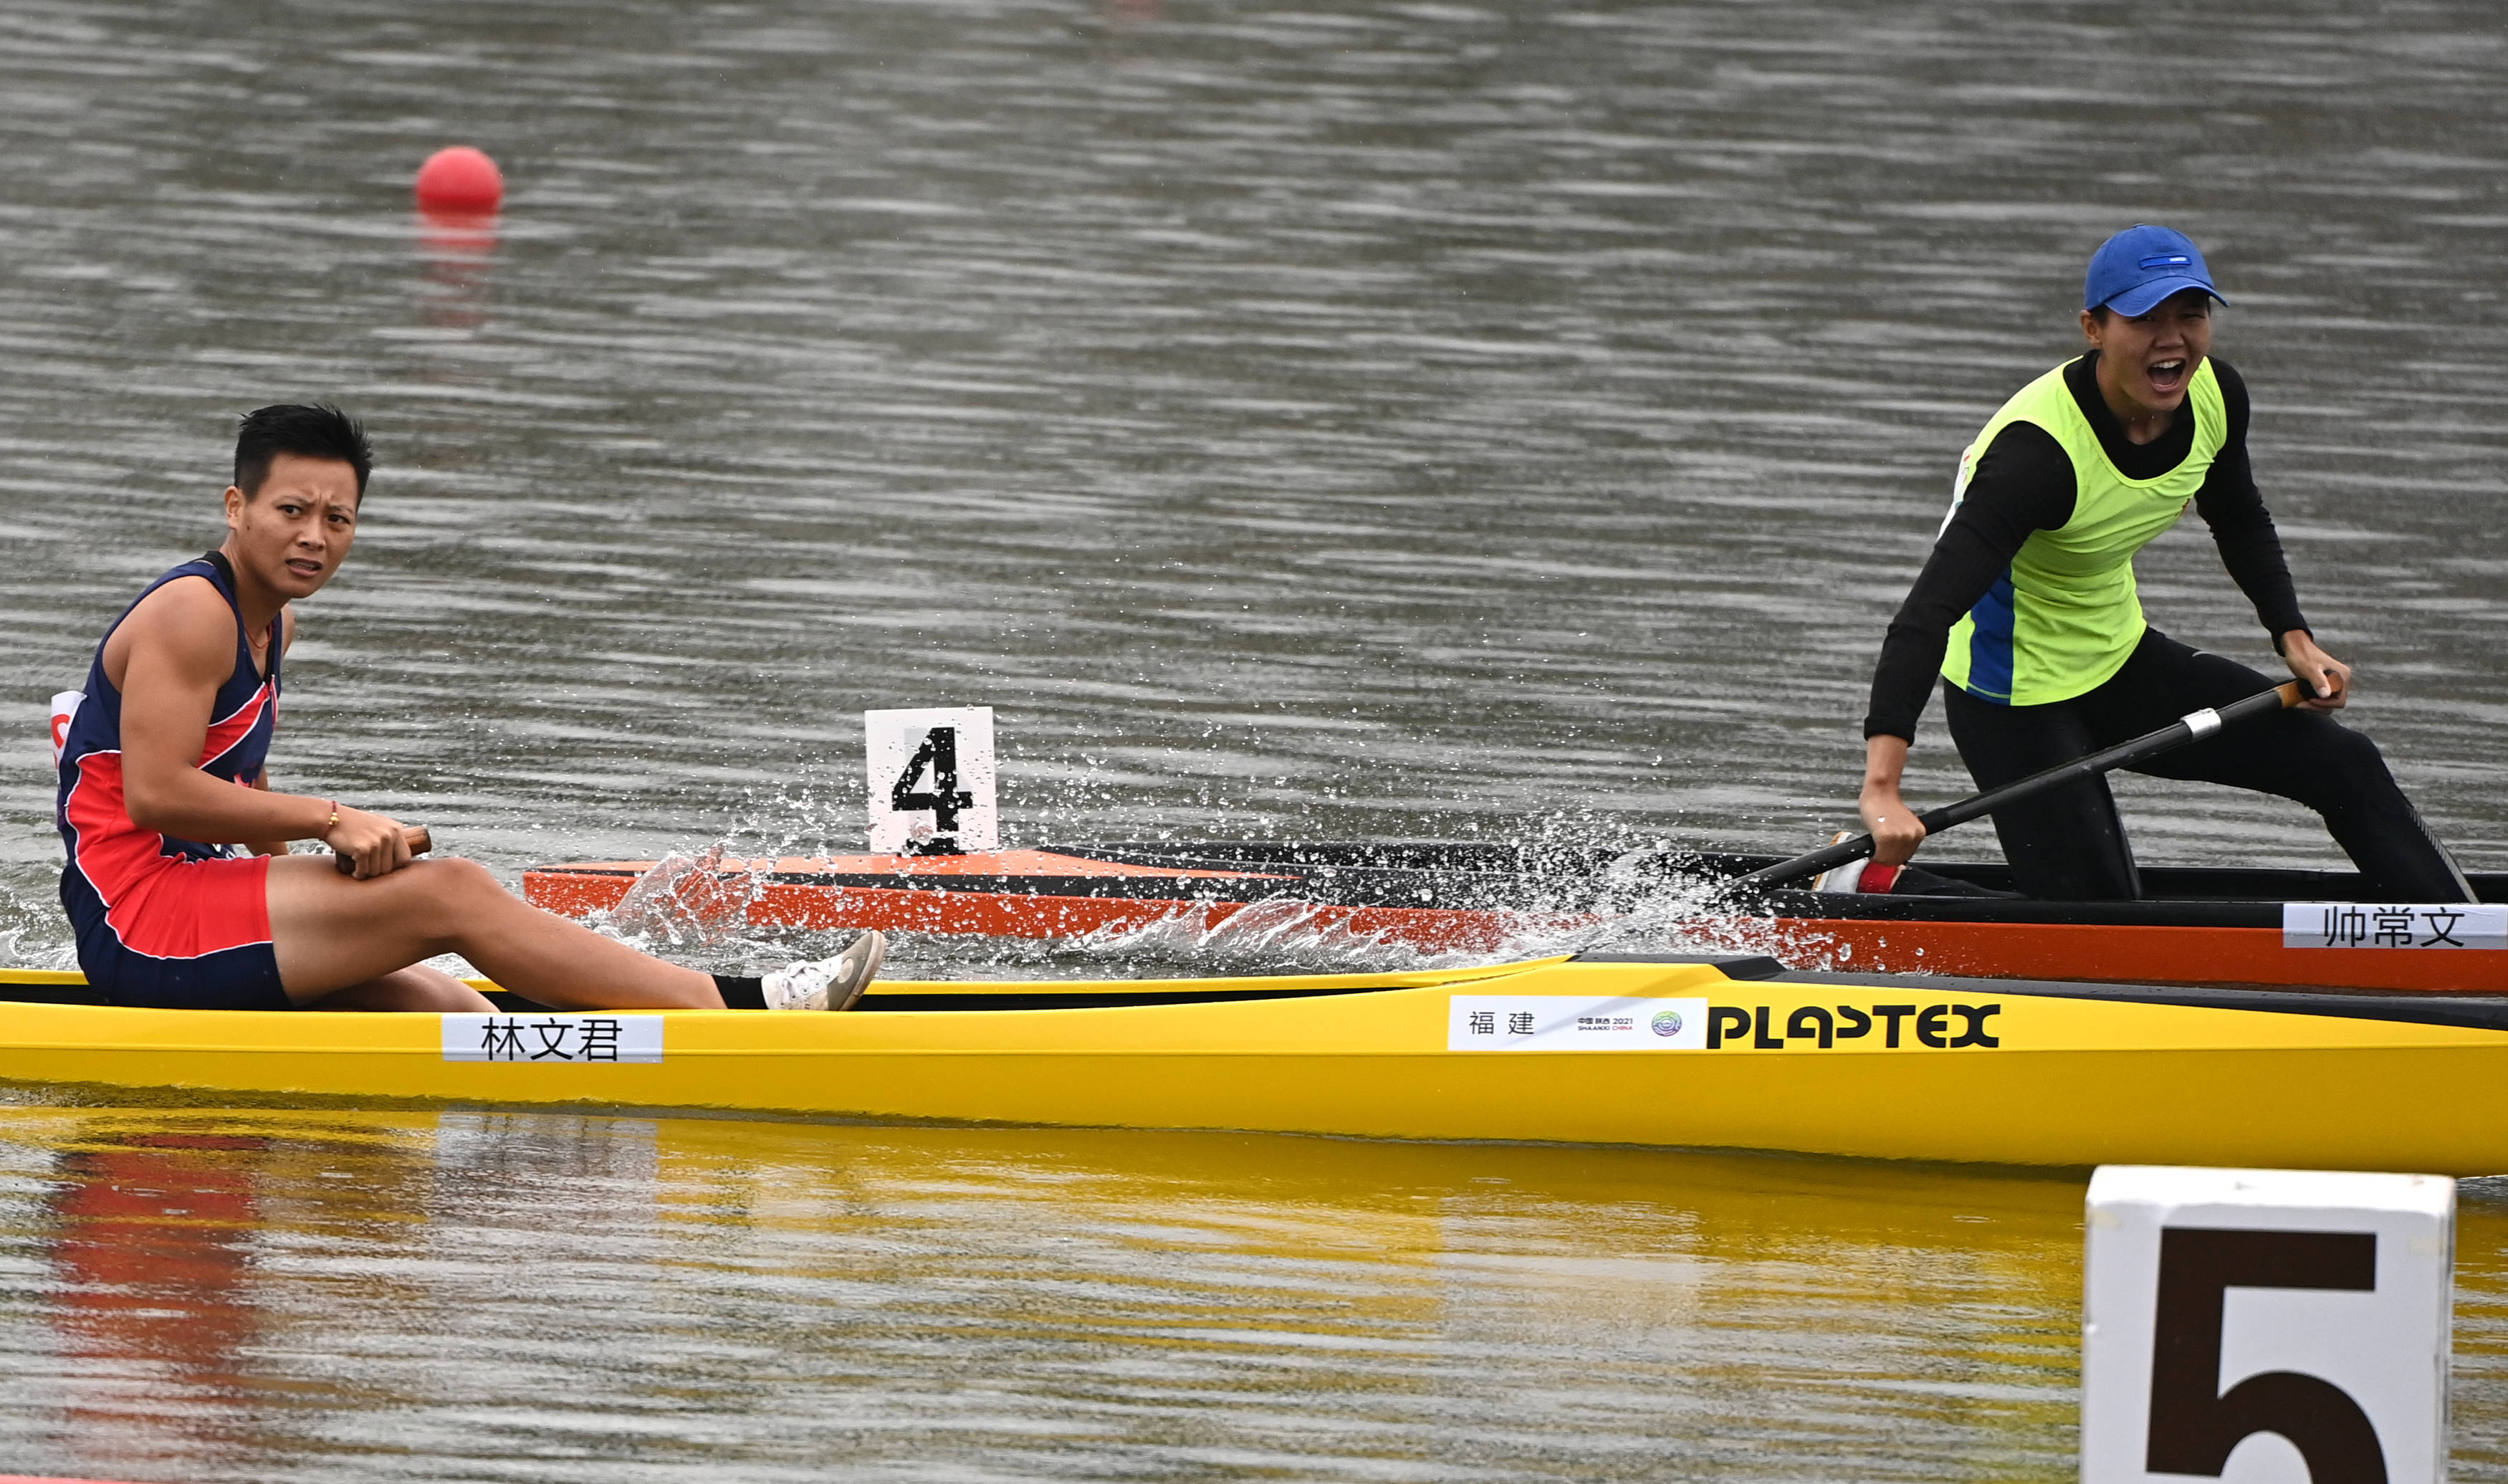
pixel 180 884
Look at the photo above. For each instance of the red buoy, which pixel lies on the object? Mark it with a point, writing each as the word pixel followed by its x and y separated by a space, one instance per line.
pixel 459 179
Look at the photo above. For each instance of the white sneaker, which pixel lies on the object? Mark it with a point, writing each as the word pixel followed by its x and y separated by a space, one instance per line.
pixel 827 983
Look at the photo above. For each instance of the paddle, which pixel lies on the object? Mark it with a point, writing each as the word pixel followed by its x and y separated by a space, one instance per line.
pixel 2185 728
pixel 419 843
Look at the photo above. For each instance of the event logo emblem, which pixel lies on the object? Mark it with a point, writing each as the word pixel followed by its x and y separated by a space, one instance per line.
pixel 1667 1023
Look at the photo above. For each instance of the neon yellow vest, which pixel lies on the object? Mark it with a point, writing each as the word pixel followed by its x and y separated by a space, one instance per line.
pixel 2066 614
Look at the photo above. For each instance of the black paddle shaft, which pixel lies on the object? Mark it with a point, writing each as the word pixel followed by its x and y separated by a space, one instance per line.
pixel 2176 734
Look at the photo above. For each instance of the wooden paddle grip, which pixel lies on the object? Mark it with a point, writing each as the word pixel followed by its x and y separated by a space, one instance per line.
pixel 419 843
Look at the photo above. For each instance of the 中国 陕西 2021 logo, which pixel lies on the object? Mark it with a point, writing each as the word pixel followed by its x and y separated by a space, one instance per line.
pixel 1667 1023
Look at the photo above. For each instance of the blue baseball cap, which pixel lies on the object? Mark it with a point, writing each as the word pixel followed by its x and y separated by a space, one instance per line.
pixel 2140 266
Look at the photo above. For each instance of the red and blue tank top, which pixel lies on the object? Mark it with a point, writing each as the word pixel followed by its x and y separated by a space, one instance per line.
pixel 111 858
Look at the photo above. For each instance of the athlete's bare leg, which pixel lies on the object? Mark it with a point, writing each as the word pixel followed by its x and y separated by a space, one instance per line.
pixel 416 988
pixel 331 932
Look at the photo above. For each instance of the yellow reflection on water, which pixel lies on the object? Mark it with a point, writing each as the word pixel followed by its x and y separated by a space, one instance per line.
pixel 210 1294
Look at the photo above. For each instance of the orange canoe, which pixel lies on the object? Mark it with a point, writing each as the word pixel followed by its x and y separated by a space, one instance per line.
pixel 2197 926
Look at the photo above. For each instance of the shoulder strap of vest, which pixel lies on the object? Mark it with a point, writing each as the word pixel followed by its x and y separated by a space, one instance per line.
pixel 225 581
pixel 234 600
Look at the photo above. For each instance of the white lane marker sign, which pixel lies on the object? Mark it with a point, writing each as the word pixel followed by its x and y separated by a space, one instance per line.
pixel 2266 1327
pixel 2394 926
pixel 932 780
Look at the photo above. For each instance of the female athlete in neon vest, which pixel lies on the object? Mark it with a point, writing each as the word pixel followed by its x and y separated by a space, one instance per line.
pixel 2027 606
pixel 180 884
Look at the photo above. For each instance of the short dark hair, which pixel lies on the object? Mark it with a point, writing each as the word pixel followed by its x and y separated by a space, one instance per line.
pixel 319 431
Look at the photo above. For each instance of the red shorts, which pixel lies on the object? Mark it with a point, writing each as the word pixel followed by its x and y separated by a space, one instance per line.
pixel 181 934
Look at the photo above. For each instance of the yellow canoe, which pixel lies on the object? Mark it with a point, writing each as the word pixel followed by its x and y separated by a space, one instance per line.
pixel 1656 1053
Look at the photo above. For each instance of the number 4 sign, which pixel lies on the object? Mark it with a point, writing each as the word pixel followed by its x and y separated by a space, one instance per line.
pixel 2266 1327
pixel 931 775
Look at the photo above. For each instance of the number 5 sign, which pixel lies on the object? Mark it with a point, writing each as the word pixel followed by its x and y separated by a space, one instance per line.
pixel 930 774
pixel 2266 1327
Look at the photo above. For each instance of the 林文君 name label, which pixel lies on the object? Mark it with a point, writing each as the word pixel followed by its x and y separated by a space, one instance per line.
pixel 1573 1022
pixel 552 1039
pixel 2394 926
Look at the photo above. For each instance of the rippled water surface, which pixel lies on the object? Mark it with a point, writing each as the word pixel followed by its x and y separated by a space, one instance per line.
pixel 1394 419
pixel 263 1296
pixel 1354 422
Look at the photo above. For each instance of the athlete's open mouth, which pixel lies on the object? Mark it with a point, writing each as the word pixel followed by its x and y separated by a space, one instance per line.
pixel 303 567
pixel 2166 375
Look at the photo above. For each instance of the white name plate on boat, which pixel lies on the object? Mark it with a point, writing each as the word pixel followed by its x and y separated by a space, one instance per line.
pixel 549 1039
pixel 932 779
pixel 2394 926
pixel 1573 1022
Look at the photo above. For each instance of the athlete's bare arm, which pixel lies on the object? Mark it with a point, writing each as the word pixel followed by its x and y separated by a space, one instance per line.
pixel 265 847
pixel 168 659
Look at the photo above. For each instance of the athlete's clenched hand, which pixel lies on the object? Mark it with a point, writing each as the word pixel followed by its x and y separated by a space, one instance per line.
pixel 1895 830
pixel 380 845
pixel 2326 682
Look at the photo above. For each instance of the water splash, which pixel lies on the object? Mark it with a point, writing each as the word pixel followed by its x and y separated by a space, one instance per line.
pixel 33 935
pixel 1292 936
pixel 686 900
pixel 689 908
pixel 1275 935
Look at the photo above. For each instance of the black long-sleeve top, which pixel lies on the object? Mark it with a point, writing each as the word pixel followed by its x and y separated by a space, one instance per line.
pixel 2024 484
